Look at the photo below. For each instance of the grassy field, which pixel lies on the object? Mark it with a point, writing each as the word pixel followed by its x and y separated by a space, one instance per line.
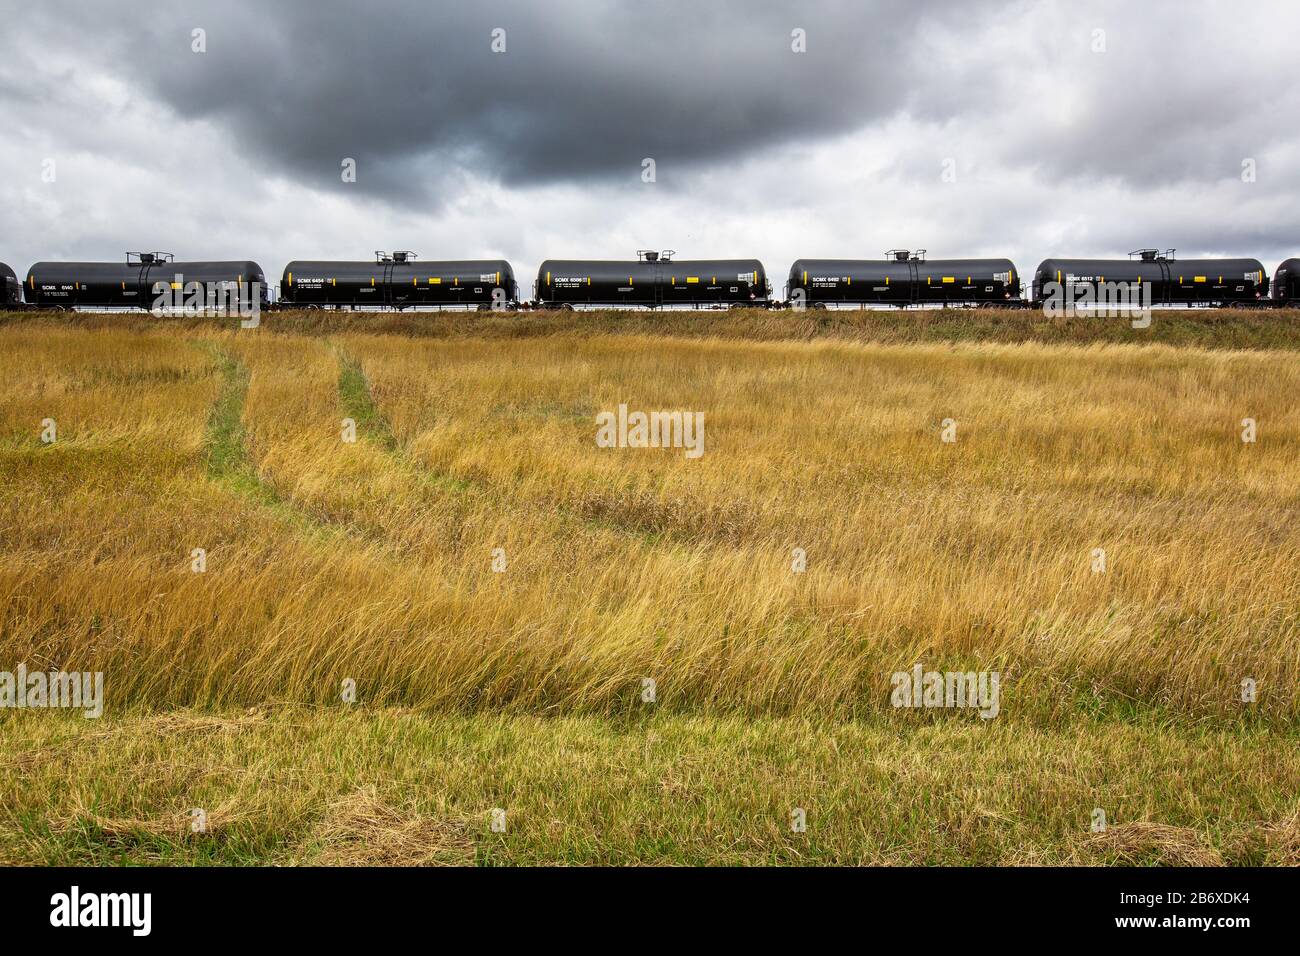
pixel 376 564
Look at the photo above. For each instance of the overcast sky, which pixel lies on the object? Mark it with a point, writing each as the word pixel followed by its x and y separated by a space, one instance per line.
pixel 1079 128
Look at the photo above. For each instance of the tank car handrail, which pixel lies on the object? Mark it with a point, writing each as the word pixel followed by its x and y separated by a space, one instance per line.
pixel 148 258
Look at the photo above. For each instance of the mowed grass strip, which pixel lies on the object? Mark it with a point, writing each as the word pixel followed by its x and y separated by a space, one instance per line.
pixel 226 454
pixel 365 786
pixel 354 394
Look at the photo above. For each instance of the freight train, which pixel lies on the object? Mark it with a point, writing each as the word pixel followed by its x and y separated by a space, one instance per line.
pixel 1286 283
pixel 399 281
pixel 654 280
pixel 903 278
pixel 11 295
pixel 1162 279
pixel 147 280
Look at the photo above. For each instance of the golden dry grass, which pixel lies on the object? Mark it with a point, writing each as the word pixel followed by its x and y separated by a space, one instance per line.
pixel 372 561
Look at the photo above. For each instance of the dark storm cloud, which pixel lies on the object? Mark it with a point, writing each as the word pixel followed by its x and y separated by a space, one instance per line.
pixel 413 91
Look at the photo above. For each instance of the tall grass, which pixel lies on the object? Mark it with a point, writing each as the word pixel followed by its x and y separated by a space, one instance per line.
pixel 373 560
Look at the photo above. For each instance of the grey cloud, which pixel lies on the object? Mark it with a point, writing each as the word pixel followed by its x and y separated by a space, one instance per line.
pixel 412 90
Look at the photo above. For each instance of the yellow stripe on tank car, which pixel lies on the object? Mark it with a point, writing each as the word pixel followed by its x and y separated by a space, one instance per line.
pixel 886 280
pixel 1198 279
pixel 334 282
pixel 435 280
pixel 692 279
pixel 290 278
pixel 949 279
pixel 548 278
pixel 175 285
pixel 498 278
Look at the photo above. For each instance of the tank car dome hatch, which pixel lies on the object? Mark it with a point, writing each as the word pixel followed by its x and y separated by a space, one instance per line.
pixel 1152 255
pixel 149 258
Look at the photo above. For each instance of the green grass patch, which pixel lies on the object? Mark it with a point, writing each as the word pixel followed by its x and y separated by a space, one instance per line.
pixel 364 786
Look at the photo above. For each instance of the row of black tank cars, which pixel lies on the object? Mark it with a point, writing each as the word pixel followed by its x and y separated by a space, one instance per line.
pixel 154 281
